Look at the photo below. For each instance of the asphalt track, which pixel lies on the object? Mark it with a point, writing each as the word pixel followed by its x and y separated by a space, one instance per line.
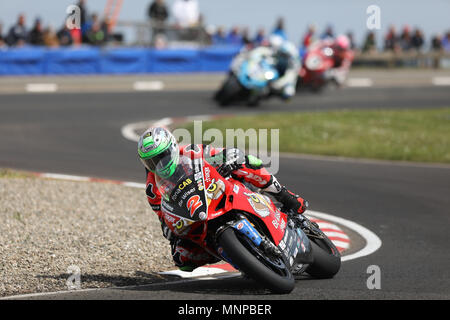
pixel 407 206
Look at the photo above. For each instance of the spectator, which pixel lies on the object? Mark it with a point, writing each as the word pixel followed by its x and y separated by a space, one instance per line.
pixel 49 37
pixel 186 13
pixel 105 26
pixel 17 35
pixel 64 36
pixel 203 34
pixel 83 11
pixel 234 38
pixel 279 29
pixel 436 43
pixel 260 37
pixel 87 27
pixel 83 14
pixel 2 39
pixel 391 41
pixel 328 33
pixel 36 35
pixel 417 40
pixel 96 36
pixel 405 39
pixel 369 43
pixel 246 37
pixel 80 36
pixel 219 37
pixel 157 12
pixel 309 36
pixel 351 39
pixel 446 42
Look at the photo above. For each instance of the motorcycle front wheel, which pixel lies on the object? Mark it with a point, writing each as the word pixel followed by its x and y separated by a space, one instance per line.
pixel 230 91
pixel 327 258
pixel 271 272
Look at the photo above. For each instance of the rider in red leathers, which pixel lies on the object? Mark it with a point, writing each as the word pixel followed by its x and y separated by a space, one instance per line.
pixel 343 58
pixel 187 255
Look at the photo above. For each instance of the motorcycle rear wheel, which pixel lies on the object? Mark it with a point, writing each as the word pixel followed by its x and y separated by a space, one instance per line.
pixel 278 280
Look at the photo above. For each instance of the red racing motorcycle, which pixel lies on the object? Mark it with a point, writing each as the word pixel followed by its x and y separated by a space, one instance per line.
pixel 237 224
pixel 316 63
pixel 318 67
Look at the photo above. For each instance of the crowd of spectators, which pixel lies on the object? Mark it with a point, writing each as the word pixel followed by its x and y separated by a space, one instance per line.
pixel 185 15
pixel 407 40
pixel 93 31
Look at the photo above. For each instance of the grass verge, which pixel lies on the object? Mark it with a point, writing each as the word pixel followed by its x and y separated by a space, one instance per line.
pixel 421 135
pixel 9 173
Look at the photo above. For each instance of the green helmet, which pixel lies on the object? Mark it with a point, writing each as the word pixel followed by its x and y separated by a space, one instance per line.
pixel 159 151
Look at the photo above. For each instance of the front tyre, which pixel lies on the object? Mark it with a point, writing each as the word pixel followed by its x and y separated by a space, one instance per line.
pixel 229 92
pixel 273 274
pixel 327 259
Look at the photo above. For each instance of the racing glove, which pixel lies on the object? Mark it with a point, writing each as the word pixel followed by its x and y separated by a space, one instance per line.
pixel 226 169
pixel 234 160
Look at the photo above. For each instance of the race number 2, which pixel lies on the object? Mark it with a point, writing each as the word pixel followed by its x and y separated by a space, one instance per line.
pixel 193 204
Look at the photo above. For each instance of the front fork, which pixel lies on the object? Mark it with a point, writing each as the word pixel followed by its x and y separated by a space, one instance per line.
pixel 296 254
pixel 246 229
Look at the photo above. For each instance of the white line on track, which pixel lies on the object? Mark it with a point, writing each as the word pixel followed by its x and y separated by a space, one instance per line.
pixel 58 176
pixel 373 243
pixel 326 225
pixel 148 85
pixel 359 82
pixel 337 235
pixel 134 185
pixel 41 87
pixel 441 81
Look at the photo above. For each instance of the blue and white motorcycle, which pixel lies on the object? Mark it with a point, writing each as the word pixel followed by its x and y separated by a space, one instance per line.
pixel 249 78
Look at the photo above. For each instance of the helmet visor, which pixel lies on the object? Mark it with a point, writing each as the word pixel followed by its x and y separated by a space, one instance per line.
pixel 163 161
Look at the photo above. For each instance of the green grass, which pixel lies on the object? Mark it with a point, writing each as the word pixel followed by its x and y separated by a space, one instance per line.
pixel 409 135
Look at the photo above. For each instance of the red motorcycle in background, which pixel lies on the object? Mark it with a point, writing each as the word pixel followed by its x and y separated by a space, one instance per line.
pixel 325 62
pixel 237 224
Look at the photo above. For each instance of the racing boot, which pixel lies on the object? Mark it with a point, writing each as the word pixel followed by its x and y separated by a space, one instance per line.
pixel 187 256
pixel 288 199
pixel 292 201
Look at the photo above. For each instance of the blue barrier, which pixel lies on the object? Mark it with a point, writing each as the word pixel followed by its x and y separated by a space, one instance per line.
pixel 73 61
pixel 162 61
pixel 26 61
pixel 218 58
pixel 88 60
pixel 123 61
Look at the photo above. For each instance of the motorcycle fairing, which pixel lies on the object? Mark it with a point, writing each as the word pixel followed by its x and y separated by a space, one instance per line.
pixel 295 247
pixel 249 77
pixel 262 207
pixel 226 195
pixel 187 205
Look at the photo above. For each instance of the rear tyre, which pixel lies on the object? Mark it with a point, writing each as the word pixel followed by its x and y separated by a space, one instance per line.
pixel 277 280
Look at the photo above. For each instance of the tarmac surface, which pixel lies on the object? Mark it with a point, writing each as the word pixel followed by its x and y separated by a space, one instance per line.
pixel 406 205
